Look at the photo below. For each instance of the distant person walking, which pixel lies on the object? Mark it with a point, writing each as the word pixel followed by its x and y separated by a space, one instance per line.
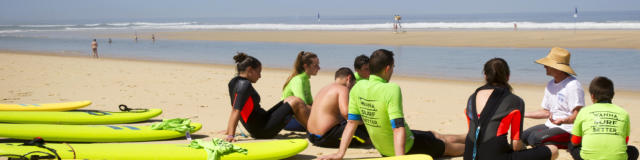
pixel 396 23
pixel 110 41
pixel 136 39
pixel 515 27
pixel 94 47
pixel 153 38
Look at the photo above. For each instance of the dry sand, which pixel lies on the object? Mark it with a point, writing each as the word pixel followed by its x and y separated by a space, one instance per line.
pixel 444 38
pixel 199 92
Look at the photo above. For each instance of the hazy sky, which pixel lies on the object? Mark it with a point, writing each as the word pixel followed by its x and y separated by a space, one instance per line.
pixel 51 10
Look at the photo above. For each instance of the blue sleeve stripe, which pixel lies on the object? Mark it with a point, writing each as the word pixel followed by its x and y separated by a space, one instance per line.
pixel 393 124
pixel 354 117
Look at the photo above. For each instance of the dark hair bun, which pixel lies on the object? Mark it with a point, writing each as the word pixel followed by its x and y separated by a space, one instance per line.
pixel 240 57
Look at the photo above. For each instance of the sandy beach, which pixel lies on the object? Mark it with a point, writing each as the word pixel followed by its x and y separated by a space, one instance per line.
pixel 443 38
pixel 199 91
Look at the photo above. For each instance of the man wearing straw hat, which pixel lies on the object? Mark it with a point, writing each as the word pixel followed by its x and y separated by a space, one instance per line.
pixel 563 98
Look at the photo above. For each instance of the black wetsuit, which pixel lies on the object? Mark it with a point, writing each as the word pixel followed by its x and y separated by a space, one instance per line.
pixel 258 122
pixel 487 136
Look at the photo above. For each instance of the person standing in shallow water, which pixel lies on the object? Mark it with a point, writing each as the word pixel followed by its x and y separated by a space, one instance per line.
pixel 94 48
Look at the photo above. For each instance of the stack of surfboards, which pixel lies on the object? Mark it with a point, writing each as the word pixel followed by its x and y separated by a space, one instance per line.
pixel 55 122
pixel 26 121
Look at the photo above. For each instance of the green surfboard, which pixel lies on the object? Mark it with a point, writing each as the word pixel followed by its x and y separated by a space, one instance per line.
pixel 275 149
pixel 88 133
pixel 77 117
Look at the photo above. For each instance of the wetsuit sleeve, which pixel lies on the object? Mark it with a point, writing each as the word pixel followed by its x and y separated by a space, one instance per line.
pixel 241 94
pixel 354 109
pixel 468 119
pixel 517 120
pixel 394 107
pixel 516 124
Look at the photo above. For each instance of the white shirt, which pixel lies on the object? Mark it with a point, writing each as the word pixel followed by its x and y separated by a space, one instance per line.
pixel 561 98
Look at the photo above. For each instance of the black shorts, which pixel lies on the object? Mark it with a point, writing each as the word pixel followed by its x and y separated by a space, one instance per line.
pixel 331 139
pixel 426 143
pixel 632 152
pixel 272 121
pixel 542 135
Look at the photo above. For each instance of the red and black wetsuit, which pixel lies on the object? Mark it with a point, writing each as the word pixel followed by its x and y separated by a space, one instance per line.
pixel 487 136
pixel 258 122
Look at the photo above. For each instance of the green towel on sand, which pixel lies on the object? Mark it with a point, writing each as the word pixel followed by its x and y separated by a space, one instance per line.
pixel 217 148
pixel 177 124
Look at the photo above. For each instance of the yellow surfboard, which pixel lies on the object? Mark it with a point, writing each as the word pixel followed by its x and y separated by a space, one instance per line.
pixel 275 149
pixel 77 117
pixel 45 107
pixel 88 133
pixel 405 157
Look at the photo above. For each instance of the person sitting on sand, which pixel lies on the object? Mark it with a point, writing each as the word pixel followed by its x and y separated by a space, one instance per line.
pixel 329 113
pixel 601 130
pixel 361 65
pixel 563 98
pixel 306 64
pixel 378 104
pixel 491 110
pixel 245 101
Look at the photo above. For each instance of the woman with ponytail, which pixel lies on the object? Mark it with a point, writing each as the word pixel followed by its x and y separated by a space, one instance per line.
pixel 298 85
pixel 492 112
pixel 245 101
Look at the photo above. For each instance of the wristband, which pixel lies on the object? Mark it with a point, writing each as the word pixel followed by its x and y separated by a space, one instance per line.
pixel 231 136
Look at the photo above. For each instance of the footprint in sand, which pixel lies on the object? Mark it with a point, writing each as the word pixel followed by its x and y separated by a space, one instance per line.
pixel 24 94
pixel 10 99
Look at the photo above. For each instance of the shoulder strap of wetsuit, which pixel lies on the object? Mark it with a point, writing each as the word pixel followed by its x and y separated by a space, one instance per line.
pixel 497 96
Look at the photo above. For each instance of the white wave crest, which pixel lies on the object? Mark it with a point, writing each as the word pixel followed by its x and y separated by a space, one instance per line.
pixel 373 26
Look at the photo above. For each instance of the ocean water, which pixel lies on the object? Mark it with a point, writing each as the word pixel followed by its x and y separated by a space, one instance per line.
pixel 560 20
pixel 74 38
pixel 463 63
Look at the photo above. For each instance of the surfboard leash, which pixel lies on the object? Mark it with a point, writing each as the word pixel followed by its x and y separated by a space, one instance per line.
pixel 124 108
pixel 39 142
pixel 72 150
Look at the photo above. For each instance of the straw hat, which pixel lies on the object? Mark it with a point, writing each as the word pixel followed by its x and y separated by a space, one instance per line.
pixel 558 58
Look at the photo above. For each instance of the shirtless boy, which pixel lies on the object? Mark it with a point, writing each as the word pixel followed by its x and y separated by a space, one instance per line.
pixel 329 112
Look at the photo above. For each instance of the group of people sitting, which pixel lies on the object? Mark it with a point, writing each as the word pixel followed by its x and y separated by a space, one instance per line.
pixel 364 108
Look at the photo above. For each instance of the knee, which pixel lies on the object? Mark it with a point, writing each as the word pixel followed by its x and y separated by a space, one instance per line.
pixel 293 101
pixel 554 151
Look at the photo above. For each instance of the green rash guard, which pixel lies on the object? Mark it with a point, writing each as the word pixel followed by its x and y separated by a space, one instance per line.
pixel 604 128
pixel 378 103
pixel 300 87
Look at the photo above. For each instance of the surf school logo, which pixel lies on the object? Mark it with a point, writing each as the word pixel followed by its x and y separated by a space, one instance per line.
pixel 368 111
pixel 605 122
